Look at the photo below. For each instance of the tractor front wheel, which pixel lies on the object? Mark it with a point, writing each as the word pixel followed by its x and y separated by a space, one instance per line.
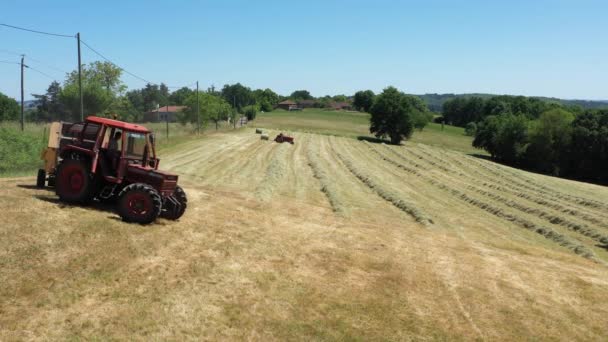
pixel 73 183
pixel 139 203
pixel 175 206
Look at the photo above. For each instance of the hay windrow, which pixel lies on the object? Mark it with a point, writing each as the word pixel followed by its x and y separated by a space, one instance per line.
pixel 275 171
pixel 403 205
pixel 548 233
pixel 525 193
pixel 327 186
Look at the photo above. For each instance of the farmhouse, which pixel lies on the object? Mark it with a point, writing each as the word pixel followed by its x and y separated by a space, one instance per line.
pixel 166 113
pixel 287 105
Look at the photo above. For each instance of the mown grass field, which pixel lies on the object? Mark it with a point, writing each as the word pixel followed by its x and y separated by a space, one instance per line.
pixel 328 239
pixel 356 124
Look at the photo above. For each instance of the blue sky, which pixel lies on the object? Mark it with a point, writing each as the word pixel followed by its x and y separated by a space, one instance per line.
pixel 545 48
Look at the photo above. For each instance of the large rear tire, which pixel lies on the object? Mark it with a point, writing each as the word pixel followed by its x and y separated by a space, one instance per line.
pixel 139 203
pixel 41 179
pixel 175 206
pixel 73 182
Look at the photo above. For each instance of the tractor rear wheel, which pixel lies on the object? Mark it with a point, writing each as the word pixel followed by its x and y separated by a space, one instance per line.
pixel 73 183
pixel 139 203
pixel 41 179
pixel 175 206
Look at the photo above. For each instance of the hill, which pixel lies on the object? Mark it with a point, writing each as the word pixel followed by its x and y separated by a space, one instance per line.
pixel 436 101
pixel 328 239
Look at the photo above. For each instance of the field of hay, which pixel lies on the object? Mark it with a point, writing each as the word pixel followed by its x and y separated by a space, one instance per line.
pixel 331 238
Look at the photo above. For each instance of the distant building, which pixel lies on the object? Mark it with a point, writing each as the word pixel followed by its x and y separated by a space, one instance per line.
pixel 287 105
pixel 166 113
pixel 341 105
pixel 306 103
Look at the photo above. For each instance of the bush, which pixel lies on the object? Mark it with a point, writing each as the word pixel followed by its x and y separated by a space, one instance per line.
pixel 470 129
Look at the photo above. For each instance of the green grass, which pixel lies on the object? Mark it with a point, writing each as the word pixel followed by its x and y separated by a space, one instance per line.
pixel 356 124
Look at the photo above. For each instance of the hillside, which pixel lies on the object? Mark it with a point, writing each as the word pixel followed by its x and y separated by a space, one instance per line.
pixel 436 101
pixel 328 239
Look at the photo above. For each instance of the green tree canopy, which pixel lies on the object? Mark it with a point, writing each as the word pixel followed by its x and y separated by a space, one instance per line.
pixel 301 95
pixel 364 100
pixel 392 114
pixel 101 86
pixel 237 95
pixel 266 99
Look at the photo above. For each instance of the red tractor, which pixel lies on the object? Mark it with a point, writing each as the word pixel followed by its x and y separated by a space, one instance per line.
pixel 283 138
pixel 110 160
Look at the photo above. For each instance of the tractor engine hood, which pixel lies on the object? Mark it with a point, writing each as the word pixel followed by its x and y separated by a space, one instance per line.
pixel 163 182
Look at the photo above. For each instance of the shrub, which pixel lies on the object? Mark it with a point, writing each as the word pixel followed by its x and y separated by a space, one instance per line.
pixel 470 129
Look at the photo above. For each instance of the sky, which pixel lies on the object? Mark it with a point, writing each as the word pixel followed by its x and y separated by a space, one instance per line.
pixel 537 48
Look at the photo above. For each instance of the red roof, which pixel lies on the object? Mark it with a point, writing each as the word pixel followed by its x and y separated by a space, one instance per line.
pixel 119 124
pixel 169 109
pixel 287 102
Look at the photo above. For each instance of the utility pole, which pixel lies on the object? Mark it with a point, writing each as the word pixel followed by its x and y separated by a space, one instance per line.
pixel 235 111
pixel 80 79
pixel 22 116
pixel 198 112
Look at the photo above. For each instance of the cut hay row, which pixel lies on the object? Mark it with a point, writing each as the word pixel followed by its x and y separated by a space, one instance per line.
pixel 553 219
pixel 532 185
pixel 524 190
pixel 548 233
pixel 502 187
pixel 389 196
pixel 274 173
pixel 327 186
pixel 428 161
pixel 550 204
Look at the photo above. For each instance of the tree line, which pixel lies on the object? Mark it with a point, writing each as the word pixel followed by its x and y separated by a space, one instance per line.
pixel 547 137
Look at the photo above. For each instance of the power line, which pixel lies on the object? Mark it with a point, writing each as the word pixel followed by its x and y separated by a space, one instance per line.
pixel 9 62
pixel 40 72
pixel 46 65
pixel 36 31
pixel 128 72
pixel 118 66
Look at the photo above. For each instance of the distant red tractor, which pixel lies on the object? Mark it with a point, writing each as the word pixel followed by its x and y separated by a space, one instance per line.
pixel 111 160
pixel 284 138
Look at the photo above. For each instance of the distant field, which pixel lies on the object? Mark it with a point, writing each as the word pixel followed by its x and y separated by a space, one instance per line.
pixel 355 124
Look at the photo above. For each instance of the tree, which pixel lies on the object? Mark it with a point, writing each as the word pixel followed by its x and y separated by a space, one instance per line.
pixel 179 96
pixel 237 95
pixel 301 95
pixel 48 106
pixel 364 100
pixel 391 115
pixel 588 153
pixel 550 137
pixel 266 99
pixel 9 109
pixel 212 108
pixel 503 136
pixel 101 85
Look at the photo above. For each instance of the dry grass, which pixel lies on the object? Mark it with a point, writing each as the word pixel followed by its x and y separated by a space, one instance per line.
pixel 263 254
